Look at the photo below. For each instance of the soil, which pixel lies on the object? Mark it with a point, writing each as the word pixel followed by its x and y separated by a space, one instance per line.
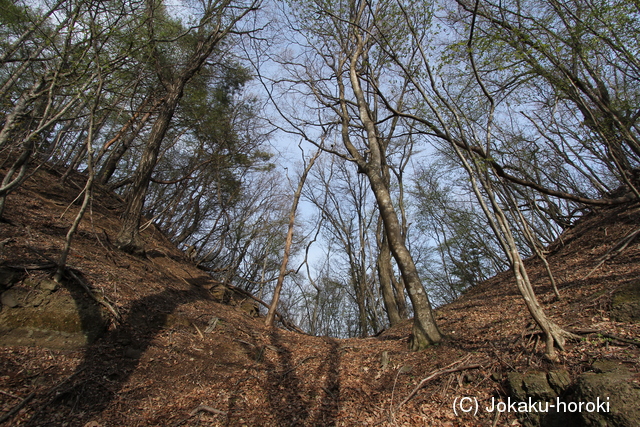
pixel 177 348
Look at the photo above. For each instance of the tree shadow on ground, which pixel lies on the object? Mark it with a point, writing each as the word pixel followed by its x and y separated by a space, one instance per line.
pixel 296 402
pixel 109 362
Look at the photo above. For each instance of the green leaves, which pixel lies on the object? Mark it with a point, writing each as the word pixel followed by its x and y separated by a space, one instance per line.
pixel 11 14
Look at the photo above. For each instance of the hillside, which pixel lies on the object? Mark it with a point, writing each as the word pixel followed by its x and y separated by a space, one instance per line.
pixel 176 348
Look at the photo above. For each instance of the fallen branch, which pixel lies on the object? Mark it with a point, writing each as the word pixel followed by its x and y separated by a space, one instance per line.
pixel 10 394
pixel 16 408
pixel 281 318
pixel 39 253
pixel 50 394
pixel 620 246
pixel 326 390
pixel 201 408
pixel 198 329
pixel 461 366
pixel 46 266
pixel 100 300
pixel 209 409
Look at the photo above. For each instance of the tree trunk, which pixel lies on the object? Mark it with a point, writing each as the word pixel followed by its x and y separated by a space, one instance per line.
pixel 287 246
pixel 109 167
pixel 9 183
pixel 124 142
pixel 425 330
pixel 220 25
pixel 553 334
pixel 399 293
pixel 385 272
pixel 359 285
pixel 129 239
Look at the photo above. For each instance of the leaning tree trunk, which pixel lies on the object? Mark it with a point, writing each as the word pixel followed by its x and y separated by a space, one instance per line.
pixel 269 320
pixel 129 239
pixel 222 24
pixel 425 331
pixel 384 275
pixel 553 334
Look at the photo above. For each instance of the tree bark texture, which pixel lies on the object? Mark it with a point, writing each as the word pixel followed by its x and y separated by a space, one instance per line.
pixel 425 330
pixel 129 237
pixel 385 272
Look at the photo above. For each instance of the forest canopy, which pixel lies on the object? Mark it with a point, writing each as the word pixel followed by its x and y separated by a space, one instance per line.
pixel 452 139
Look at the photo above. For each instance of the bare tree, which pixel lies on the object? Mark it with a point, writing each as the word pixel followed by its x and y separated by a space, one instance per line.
pixel 344 66
pixel 345 210
pixel 455 125
pixel 289 239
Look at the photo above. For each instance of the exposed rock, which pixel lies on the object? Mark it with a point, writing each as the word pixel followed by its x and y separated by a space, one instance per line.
pixel 38 300
pixel 9 277
pixel 10 298
pixel 48 285
pixel 514 380
pixel 536 386
pixel 608 397
pixel 66 318
pixel 625 306
pixel 532 384
pixel 559 380
pixel 614 384
pixel 604 366
pixel 220 293
pixel 250 307
pixel 30 283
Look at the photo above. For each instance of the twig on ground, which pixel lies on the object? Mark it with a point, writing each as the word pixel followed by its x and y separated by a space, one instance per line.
pixel 51 392
pixel 39 253
pixel 326 390
pixel 100 300
pixel 201 408
pixel 461 366
pixel 205 408
pixel 620 246
pixel 16 408
pixel 10 394
pixel 26 267
pixel 107 252
pixel 496 418
pixel 198 329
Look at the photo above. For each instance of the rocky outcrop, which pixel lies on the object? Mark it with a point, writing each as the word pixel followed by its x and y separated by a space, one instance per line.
pixel 625 304
pixel 8 277
pixel 43 313
pixel 608 396
pixel 619 386
pixel 542 389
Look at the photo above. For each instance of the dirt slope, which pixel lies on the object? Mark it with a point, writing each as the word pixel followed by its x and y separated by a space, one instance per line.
pixel 164 364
